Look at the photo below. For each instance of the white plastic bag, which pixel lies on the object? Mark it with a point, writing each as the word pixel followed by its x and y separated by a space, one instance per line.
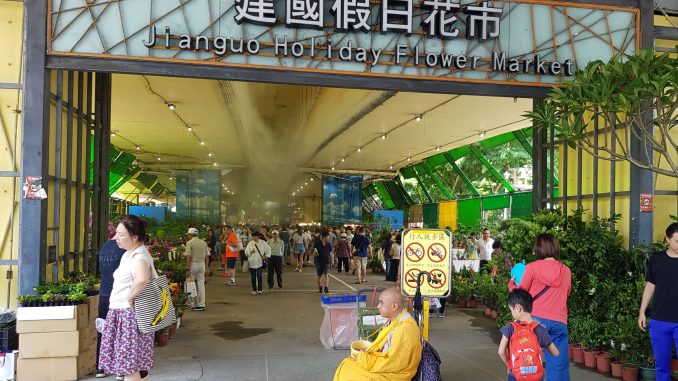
pixel 246 266
pixel 190 288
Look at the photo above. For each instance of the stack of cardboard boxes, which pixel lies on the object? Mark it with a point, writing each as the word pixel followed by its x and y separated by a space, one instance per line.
pixel 57 343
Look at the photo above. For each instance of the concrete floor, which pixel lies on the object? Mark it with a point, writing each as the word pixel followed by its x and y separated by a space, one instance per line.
pixel 275 336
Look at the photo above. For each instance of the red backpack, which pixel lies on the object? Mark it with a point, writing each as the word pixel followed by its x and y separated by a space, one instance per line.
pixel 525 355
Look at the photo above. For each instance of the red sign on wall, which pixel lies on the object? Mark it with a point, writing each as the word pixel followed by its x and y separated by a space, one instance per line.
pixel 646 202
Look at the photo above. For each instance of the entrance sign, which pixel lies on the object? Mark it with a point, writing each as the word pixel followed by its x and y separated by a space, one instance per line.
pixel 518 42
pixel 426 250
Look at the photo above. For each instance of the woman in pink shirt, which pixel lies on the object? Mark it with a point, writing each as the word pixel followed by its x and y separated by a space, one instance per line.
pixel 549 282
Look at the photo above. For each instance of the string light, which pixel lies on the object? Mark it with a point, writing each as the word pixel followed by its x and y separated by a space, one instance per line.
pixel 418 117
pixel 438 148
pixel 482 134
pixel 343 159
pixel 171 106
pixel 202 143
pixel 360 149
pixel 209 154
pixel 383 137
pixel 390 166
pixel 112 134
pixel 409 159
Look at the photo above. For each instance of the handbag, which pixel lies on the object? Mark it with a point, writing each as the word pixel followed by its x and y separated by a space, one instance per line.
pixel 264 263
pixel 429 365
pixel 153 306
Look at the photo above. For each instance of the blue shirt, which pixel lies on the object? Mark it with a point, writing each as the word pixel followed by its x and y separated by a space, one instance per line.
pixel 361 242
pixel 109 259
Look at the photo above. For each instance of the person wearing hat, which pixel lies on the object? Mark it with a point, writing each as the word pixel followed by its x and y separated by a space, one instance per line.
pixel 277 246
pixel 343 252
pixel 197 257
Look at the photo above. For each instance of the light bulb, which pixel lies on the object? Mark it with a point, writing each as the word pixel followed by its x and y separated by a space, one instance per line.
pixel 112 133
pixel 383 137
pixel 138 148
pixel 333 168
pixel 438 148
pixel 418 118
pixel 360 149
pixel 215 164
pixel 209 154
pixel 189 129
pixel 390 167
pixel 171 106
pixel 202 143
pixel 343 159
pixel 159 159
pixel 409 159
pixel 482 134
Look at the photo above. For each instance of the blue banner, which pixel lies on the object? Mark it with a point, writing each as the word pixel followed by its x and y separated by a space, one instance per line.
pixel 198 196
pixel 341 200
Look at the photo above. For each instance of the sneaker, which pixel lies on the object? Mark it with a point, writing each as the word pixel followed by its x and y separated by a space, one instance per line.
pixel 198 308
pixel 327 291
pixel 320 290
pixel 230 283
pixel 300 271
pixel 441 316
pixel 101 373
pixel 260 292
pixel 254 292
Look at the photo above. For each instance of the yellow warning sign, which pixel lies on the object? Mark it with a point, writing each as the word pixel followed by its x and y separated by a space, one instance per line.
pixel 426 250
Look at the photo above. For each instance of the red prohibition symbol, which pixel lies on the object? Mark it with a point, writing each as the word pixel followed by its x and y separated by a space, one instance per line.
pixel 411 277
pixel 414 252
pixel 440 277
pixel 437 252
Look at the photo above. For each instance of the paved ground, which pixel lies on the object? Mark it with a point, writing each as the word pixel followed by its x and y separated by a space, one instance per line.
pixel 275 336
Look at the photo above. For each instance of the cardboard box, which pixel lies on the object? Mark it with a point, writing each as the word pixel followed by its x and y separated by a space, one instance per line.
pixel 52 319
pixel 57 369
pixel 8 365
pixel 92 303
pixel 56 344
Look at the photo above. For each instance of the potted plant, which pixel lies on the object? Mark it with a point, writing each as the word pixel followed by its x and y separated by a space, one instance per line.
pixel 76 298
pixel 162 337
pixel 589 338
pixel 575 335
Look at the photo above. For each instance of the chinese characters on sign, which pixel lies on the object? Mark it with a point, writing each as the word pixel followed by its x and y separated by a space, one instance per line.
pixel 482 20
pixel 426 250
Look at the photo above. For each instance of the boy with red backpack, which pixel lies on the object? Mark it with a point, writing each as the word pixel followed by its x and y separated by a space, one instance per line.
pixel 523 339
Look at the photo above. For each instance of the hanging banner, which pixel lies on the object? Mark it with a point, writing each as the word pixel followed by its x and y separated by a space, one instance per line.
pixel 426 250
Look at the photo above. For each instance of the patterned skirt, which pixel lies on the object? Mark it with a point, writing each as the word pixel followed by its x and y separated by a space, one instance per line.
pixel 124 350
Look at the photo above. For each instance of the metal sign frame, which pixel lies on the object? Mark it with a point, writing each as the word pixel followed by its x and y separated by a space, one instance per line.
pixel 403 258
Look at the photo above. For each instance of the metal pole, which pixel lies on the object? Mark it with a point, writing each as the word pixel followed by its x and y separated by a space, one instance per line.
pixel 33 213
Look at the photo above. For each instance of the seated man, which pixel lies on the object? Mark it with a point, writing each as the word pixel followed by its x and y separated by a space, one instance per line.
pixel 395 353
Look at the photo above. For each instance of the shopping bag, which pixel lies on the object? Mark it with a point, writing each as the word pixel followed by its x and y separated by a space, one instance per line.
pixel 245 266
pixel 190 288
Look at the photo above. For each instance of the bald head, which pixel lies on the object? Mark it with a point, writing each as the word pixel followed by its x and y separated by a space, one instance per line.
pixel 391 303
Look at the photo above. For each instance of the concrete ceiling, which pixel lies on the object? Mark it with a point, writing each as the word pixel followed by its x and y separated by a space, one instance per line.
pixel 267 138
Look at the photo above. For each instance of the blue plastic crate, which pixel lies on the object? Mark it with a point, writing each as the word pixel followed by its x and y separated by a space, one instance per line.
pixel 334 299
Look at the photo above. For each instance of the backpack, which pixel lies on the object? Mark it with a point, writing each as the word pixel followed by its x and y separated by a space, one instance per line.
pixel 429 365
pixel 525 355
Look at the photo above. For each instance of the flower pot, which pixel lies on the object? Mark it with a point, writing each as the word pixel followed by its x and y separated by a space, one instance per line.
pixel 590 359
pixel 616 369
pixel 648 374
pixel 461 302
pixel 630 374
pixel 494 315
pixel 569 351
pixel 487 312
pixel 161 339
pixel 172 331
pixel 603 363
pixel 578 355
pixel 674 365
pixel 473 303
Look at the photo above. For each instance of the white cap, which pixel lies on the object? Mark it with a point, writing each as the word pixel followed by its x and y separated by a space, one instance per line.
pixel 274 232
pixel 193 231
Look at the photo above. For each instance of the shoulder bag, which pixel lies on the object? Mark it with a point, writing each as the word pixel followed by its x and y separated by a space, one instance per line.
pixel 153 306
pixel 264 263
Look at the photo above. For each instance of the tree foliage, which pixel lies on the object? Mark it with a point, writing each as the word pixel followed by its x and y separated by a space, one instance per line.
pixel 629 97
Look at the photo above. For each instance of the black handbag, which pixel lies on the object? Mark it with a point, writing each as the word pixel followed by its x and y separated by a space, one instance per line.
pixel 264 263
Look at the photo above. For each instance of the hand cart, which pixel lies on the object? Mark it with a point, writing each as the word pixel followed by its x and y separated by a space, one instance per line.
pixel 369 319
